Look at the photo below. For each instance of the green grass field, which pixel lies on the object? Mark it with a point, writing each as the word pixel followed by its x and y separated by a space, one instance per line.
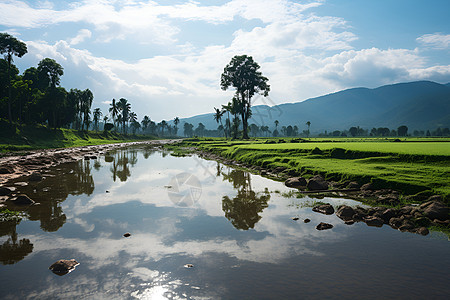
pixel 31 138
pixel 411 165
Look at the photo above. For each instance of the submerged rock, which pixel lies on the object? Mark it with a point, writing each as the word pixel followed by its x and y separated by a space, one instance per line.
pixel 63 266
pixel 306 220
pixel 324 226
pixel 326 209
pixel 127 234
pixel 35 176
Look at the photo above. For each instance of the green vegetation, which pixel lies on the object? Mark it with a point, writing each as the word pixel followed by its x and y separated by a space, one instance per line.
pixel 411 166
pixel 24 138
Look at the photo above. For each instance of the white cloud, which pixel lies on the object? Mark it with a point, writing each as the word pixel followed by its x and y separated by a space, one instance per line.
pixel 82 35
pixel 435 40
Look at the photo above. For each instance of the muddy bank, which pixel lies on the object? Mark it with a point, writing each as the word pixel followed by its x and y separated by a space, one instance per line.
pixel 31 164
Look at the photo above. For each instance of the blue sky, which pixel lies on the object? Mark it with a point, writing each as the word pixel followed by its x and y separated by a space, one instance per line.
pixel 166 57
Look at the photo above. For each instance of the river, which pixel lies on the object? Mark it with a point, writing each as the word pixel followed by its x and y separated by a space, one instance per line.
pixel 202 230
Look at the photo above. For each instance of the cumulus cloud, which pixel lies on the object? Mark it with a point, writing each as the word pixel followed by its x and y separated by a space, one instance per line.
pixel 81 36
pixel 435 40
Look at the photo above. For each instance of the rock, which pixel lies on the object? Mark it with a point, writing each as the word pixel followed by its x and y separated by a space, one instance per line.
pixel 6 170
pixel 388 214
pixel 188 266
pixel 296 182
pixel 127 234
pixel 367 187
pixel 406 226
pixel 306 220
pixel 345 212
pixel 295 218
pixel 5 191
pixel 22 200
pixel 63 266
pixel 317 183
pixel 326 209
pixel 373 221
pixel 349 222
pixel 353 185
pixel 35 176
pixel 323 226
pixel 422 231
pixel 435 210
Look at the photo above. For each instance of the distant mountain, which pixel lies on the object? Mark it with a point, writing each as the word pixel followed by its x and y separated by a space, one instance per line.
pixel 419 105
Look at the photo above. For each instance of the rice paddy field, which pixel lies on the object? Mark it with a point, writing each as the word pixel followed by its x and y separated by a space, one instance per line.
pixel 410 165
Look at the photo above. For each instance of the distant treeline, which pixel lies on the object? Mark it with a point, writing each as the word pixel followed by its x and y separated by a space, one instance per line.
pixel 293 131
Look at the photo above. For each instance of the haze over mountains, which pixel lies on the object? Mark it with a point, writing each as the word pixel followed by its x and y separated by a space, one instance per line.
pixel 419 105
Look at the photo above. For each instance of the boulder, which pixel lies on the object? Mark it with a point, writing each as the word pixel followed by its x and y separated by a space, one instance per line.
pixel 345 212
pixel 4 191
pixel 22 200
pixel 323 226
pixel 395 222
pixel 326 209
pixel 435 210
pixel 373 221
pixel 388 214
pixel 296 182
pixel 422 231
pixel 317 183
pixel 63 266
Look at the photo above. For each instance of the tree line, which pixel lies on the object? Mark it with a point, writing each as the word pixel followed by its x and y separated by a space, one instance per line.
pixel 36 97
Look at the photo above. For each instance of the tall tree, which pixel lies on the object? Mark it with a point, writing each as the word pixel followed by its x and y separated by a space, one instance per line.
pixel 176 121
pixel 97 114
pixel 242 74
pixel 114 111
pixel 86 102
pixel 308 124
pixel 218 117
pixel 402 130
pixel 10 46
pixel 125 108
pixel 145 122
pixel 50 70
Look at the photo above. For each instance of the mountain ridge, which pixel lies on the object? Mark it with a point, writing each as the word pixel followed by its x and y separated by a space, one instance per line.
pixel 419 105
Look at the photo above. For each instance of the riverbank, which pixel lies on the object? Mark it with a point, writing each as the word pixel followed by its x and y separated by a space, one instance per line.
pixel 400 178
pixel 30 164
pixel 27 138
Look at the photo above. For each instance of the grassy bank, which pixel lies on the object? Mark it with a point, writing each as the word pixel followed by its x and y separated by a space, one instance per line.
pixel 25 138
pixel 408 165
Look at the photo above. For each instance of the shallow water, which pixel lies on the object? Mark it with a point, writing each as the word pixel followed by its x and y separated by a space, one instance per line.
pixel 234 227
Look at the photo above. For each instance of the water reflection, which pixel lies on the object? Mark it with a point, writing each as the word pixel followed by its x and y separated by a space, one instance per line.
pixel 243 210
pixel 12 250
pixel 121 161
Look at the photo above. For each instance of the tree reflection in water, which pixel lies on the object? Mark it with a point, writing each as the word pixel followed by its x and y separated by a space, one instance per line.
pixel 121 160
pixel 243 210
pixel 73 179
pixel 13 251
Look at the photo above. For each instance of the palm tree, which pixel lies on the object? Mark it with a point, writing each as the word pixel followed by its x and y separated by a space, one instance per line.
pixel 163 125
pixel 97 115
pixel 145 122
pixel 308 124
pixel 114 111
pixel 125 109
pixel 176 121
pixel 218 117
pixel 227 108
pixel 276 124
pixel 10 46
